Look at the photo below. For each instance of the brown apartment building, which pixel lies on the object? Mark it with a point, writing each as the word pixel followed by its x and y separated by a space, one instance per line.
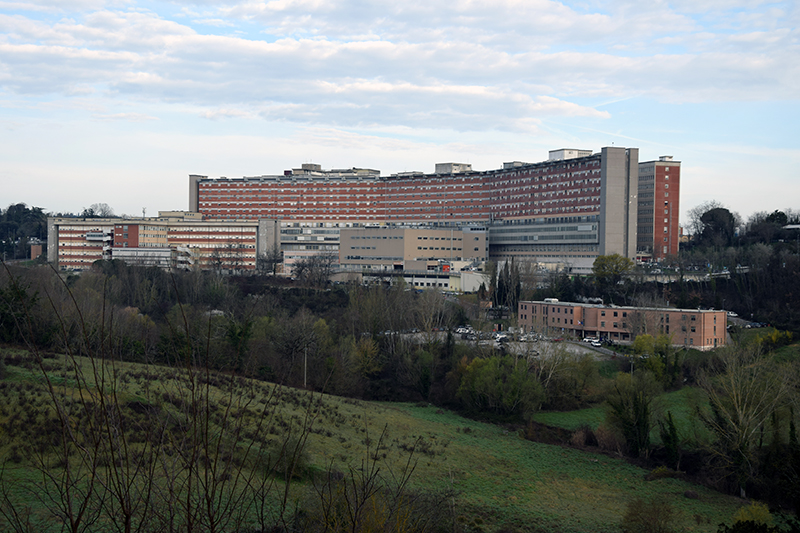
pixel 695 328
pixel 657 228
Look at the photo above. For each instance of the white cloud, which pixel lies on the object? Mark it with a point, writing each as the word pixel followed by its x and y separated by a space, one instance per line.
pixel 134 117
pixel 454 77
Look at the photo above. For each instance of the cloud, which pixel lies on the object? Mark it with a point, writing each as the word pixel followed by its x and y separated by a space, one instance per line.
pixel 132 117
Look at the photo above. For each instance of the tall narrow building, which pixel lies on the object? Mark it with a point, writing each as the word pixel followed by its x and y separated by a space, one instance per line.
pixel 657 229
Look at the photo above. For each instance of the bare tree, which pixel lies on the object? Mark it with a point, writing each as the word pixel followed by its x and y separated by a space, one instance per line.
pixel 748 388
pixel 314 271
pixel 695 225
pixel 101 210
pixel 268 262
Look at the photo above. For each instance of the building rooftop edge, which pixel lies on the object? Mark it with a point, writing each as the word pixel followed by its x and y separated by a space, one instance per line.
pixel 626 307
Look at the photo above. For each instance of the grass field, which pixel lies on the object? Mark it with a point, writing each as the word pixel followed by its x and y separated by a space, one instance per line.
pixel 503 482
pixel 682 403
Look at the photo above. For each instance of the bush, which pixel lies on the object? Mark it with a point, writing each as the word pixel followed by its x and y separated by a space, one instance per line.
pixel 583 436
pixel 661 472
pixel 748 526
pixel 755 512
pixel 653 516
pixel 608 440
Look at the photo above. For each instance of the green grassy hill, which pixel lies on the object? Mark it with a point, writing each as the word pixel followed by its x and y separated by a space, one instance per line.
pixel 501 481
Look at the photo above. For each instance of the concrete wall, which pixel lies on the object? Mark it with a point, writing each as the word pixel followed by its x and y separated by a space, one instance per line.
pixel 618 204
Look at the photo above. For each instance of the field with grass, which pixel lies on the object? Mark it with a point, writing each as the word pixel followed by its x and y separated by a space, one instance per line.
pixel 501 481
pixel 682 403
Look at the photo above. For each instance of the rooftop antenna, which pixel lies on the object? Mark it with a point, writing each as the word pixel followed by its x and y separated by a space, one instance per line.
pixel 144 210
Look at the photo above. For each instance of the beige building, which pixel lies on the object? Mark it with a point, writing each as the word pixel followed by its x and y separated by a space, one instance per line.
pixel 692 328
pixel 408 248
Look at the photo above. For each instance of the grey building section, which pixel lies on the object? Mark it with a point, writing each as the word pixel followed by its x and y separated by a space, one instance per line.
pixel 268 236
pixel 194 203
pixel 453 168
pixel 618 204
pixel 52 241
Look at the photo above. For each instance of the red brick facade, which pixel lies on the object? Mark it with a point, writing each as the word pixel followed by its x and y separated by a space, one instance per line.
pixel 658 229
pixel 543 189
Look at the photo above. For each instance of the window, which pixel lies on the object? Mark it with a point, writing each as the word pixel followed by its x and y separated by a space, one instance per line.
pixel 602 324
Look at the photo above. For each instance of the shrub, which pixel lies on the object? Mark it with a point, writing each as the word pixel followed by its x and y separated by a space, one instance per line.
pixel 608 440
pixel 583 436
pixel 660 472
pixel 653 516
pixel 755 512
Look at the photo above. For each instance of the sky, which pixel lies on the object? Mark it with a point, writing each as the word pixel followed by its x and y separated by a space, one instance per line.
pixel 118 101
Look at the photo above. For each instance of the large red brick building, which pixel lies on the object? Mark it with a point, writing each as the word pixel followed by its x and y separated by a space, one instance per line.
pixel 657 229
pixel 569 209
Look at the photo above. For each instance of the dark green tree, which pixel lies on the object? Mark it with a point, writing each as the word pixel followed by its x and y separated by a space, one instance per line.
pixel 630 410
